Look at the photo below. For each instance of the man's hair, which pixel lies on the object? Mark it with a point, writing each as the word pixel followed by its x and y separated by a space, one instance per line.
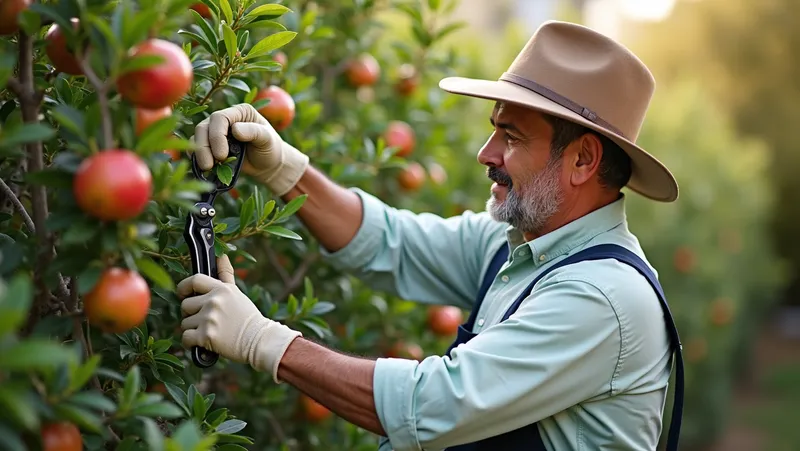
pixel 615 165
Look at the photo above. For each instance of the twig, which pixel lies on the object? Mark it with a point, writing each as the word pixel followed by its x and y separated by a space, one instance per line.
pixel 77 330
pixel 28 96
pixel 102 88
pixel 18 205
pixel 15 86
pixel 298 276
pixel 272 257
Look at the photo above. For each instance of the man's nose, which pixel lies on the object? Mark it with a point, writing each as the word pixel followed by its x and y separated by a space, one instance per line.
pixel 491 154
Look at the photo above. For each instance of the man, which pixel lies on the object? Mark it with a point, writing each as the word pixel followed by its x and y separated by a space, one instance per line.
pixel 578 360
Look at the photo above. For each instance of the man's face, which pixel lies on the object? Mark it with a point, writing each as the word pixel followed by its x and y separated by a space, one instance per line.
pixel 528 188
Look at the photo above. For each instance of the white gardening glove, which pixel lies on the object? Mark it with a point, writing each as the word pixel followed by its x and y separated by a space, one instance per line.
pixel 222 319
pixel 269 159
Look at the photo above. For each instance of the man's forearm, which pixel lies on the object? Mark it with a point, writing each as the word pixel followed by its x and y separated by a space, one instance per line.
pixel 331 213
pixel 341 383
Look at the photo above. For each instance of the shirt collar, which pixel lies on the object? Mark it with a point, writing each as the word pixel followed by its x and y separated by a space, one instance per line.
pixel 566 238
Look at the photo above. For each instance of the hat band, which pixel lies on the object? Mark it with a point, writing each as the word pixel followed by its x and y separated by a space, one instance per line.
pixel 559 99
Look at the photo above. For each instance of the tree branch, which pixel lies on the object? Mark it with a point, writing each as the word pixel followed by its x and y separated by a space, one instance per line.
pixel 18 205
pixel 102 88
pixel 298 276
pixel 15 86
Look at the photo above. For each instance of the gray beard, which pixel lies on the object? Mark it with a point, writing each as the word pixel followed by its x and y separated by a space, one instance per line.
pixel 531 203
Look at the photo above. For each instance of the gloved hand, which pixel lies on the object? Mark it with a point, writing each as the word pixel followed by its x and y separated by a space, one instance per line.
pixel 222 319
pixel 269 160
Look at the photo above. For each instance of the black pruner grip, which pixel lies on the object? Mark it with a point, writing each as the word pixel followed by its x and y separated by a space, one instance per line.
pixel 199 234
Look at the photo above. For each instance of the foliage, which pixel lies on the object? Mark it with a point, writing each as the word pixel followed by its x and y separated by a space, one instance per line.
pixel 138 389
pixel 711 247
pixel 740 49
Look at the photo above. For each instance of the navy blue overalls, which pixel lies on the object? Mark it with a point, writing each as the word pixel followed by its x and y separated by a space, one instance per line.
pixel 527 438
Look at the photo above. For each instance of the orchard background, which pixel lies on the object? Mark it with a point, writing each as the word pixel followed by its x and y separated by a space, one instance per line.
pixel 99 101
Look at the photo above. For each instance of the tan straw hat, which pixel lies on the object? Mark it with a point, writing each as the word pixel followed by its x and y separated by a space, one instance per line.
pixel 576 73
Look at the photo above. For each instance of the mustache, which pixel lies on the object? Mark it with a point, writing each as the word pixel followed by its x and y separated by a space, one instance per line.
pixel 498 176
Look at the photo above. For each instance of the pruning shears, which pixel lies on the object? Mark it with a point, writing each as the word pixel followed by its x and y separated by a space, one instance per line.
pixel 199 232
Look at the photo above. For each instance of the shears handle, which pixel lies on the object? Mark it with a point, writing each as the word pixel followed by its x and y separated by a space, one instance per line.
pixel 199 235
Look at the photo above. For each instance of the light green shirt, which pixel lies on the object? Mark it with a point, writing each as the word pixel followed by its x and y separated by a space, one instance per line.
pixel 586 355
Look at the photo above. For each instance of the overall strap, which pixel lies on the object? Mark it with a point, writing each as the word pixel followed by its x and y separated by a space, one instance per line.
pixel 606 251
pixel 500 257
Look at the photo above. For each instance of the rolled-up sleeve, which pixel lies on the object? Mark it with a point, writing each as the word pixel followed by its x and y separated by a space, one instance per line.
pixel 561 347
pixel 420 257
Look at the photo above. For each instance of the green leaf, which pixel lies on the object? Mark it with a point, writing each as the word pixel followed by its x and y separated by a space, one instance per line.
pixel 246 215
pixel 271 43
pixel 159 409
pixel 321 308
pixel 264 24
pixel 152 435
pixel 169 359
pixel 82 417
pixel 261 66
pixel 199 407
pixel 153 136
pixel 155 272
pixel 51 178
pixel 26 133
pixel 16 403
pixel 230 438
pixel 70 118
pixel 224 174
pixel 88 278
pixel 225 7
pixel 93 400
pixel 178 396
pixel 34 354
pixel 238 84
pixel 15 302
pixel 139 62
pixel 187 435
pixel 270 11
pixel 230 41
pixel 216 417
pixel 292 207
pixel 10 439
pixel 83 373
pixel 231 447
pixel 268 208
pixel 434 4
pixel 231 427
pixel 202 39
pixel 448 29
pixel 131 386
pixel 80 232
pixel 282 232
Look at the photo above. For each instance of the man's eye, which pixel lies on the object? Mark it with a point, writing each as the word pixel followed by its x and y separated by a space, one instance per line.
pixel 511 138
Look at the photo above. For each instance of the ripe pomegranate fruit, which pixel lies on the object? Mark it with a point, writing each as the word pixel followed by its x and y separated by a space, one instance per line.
pixel 281 58
pixel 411 177
pixel 119 302
pixel 404 350
pixel 63 59
pixel 437 173
pixel 61 436
pixel 280 110
pixel 202 9
pixel 399 134
pixel 443 320
pixel 146 117
pixel 9 15
pixel 159 85
pixel 113 185
pixel 363 71
pixel 313 411
pixel 408 81
pixel 684 259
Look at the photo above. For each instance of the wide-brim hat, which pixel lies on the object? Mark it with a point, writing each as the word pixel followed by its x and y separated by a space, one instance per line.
pixel 575 73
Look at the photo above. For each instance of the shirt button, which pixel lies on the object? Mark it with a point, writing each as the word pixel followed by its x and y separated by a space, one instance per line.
pixel 542 257
pixel 504 278
pixel 480 322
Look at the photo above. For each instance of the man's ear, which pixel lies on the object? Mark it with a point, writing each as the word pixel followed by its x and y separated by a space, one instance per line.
pixel 586 160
